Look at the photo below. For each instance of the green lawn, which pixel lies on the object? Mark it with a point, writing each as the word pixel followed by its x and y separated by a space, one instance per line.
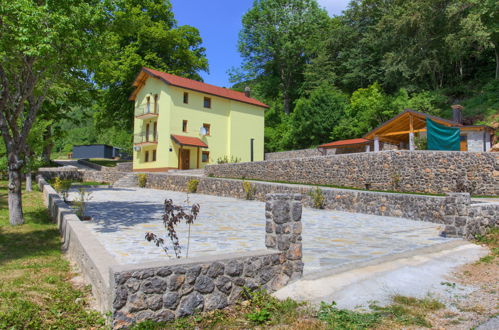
pixel 35 291
pixel 107 162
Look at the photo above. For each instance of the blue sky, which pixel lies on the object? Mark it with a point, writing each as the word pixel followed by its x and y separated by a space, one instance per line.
pixel 219 22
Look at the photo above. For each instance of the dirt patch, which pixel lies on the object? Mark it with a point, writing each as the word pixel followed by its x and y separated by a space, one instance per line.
pixel 476 306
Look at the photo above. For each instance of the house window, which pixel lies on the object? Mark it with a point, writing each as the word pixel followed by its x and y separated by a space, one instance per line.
pixel 186 97
pixel 155 131
pixel 156 103
pixel 154 155
pixel 207 102
pixel 146 156
pixel 147 132
pixel 207 128
pixel 184 125
pixel 148 109
pixel 206 156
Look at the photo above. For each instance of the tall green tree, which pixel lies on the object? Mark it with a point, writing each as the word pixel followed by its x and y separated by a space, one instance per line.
pixel 145 33
pixel 276 41
pixel 39 42
pixel 368 108
pixel 315 115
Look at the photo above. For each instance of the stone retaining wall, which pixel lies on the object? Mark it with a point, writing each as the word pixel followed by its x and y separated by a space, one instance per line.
pixel 465 219
pixel 162 291
pixel 416 207
pixel 292 154
pixel 120 167
pixel 404 171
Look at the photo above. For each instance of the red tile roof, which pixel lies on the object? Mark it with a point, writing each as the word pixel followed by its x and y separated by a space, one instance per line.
pixel 202 87
pixel 341 143
pixel 189 141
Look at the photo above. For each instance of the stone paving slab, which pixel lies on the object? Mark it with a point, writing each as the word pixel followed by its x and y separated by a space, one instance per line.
pixel 122 216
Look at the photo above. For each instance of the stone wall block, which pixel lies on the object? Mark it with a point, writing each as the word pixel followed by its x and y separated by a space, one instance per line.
pixel 175 282
pixel 153 285
pixel 137 302
pixel 271 241
pixel 192 273
pixel 216 301
pixel 171 300
pixel 154 302
pixel 190 304
pixel 216 269
pixel 204 284
pixel 234 268
pixel 120 297
pixel 223 284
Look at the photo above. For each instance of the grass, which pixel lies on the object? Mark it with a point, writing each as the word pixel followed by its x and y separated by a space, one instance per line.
pixel 35 291
pixel 343 187
pixel 89 183
pixel 106 162
pixel 491 239
pixel 261 310
pixel 332 186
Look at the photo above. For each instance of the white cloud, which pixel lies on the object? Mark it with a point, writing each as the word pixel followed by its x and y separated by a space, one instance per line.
pixel 334 7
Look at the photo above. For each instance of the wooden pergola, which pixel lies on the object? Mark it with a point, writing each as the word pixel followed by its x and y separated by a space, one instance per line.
pixel 402 128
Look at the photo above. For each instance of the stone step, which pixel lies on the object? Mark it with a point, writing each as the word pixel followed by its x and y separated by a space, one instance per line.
pixel 128 181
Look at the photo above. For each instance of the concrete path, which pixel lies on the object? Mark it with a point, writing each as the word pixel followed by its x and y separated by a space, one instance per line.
pixel 416 274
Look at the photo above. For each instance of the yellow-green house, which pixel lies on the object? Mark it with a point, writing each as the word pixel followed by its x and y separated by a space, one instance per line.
pixel 185 124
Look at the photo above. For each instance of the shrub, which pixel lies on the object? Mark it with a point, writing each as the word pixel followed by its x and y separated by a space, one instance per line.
pixel 62 187
pixel 174 215
pixel 266 309
pixel 80 204
pixel 225 159
pixel 318 200
pixel 142 180
pixel 192 185
pixel 249 189
pixel 421 143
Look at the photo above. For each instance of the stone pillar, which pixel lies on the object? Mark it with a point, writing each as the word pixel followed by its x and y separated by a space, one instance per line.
pixel 456 214
pixel 412 145
pixel 368 148
pixel 283 230
pixel 376 143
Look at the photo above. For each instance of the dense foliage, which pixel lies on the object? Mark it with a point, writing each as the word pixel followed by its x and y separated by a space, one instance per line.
pixel 358 69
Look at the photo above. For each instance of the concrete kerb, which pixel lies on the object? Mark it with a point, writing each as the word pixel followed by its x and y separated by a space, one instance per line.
pixel 355 265
pixel 81 246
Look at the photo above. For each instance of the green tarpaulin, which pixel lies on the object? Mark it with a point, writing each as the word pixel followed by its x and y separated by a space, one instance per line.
pixel 441 137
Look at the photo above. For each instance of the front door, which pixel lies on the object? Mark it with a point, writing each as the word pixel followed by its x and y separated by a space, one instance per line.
pixel 185 159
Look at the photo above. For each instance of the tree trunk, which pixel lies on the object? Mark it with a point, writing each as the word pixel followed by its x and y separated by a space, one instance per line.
pixel 15 198
pixel 29 182
pixel 47 141
pixel 497 62
pixel 286 105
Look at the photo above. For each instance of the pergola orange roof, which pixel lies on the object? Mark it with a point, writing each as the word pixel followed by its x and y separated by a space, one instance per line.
pixel 397 129
pixel 344 143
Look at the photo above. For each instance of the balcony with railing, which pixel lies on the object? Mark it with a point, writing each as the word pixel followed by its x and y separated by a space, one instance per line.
pixel 146 111
pixel 144 139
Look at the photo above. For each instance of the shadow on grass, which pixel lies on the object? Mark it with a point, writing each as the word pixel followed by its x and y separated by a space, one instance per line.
pixel 26 244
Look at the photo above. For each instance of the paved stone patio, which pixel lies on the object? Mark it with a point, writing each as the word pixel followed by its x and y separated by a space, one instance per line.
pixel 122 216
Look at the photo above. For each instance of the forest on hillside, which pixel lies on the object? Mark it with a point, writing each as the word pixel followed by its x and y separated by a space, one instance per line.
pixel 325 78
pixel 337 78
